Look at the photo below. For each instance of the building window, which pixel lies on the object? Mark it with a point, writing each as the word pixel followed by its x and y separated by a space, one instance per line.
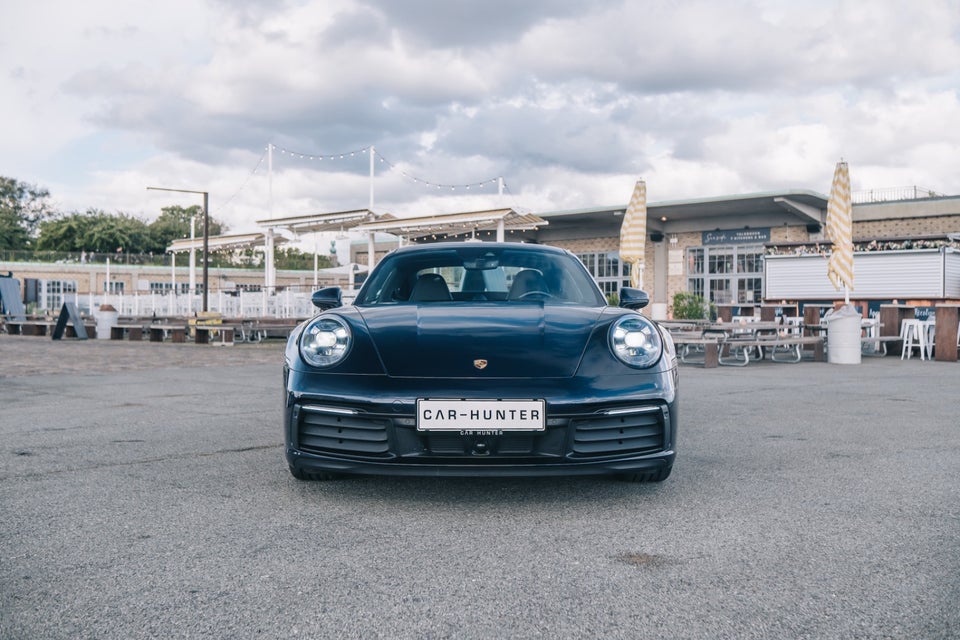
pixel 165 287
pixel 607 269
pixel 53 293
pixel 726 274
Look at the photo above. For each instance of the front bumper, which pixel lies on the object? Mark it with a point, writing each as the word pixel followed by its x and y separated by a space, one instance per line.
pixel 327 436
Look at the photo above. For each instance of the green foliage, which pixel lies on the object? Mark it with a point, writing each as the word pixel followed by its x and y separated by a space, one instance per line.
pixel 22 208
pixel 13 233
pixel 96 231
pixel 295 259
pixel 174 224
pixel 689 306
pixel 100 232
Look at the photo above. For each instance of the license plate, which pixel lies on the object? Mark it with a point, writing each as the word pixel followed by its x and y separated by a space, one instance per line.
pixel 481 415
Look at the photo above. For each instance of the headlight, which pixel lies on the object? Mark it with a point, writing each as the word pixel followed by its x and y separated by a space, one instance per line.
pixel 325 342
pixel 635 341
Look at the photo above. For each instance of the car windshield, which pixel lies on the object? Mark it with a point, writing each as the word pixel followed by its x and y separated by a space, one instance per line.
pixel 474 273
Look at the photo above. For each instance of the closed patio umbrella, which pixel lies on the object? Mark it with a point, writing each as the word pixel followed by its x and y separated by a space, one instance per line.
pixel 843 339
pixel 633 233
pixel 840 230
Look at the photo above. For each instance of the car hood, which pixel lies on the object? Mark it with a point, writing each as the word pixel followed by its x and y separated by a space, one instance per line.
pixel 480 341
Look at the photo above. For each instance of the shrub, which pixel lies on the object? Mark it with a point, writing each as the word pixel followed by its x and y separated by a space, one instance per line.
pixel 689 306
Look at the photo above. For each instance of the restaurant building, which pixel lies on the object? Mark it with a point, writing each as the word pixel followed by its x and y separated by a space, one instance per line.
pixel 752 249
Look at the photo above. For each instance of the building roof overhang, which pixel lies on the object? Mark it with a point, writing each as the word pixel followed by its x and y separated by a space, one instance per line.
pixel 456 223
pixel 322 222
pixel 755 209
pixel 214 243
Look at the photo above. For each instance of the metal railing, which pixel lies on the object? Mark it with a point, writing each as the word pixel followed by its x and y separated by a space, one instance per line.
pixel 893 194
pixel 217 260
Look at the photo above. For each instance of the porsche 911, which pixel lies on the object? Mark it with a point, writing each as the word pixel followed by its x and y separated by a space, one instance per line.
pixel 480 359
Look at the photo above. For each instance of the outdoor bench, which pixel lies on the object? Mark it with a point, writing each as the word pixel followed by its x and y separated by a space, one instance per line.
pixel 177 333
pixel 225 333
pixel 719 349
pixel 132 330
pixel 736 351
pixel 30 327
pixel 877 345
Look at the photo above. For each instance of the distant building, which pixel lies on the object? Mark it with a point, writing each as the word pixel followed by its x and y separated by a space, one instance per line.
pixel 716 247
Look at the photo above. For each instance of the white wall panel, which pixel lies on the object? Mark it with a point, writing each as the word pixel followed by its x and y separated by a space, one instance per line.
pixel 879 275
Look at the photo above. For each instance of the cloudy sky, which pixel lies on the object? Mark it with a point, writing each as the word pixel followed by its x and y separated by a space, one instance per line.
pixel 569 101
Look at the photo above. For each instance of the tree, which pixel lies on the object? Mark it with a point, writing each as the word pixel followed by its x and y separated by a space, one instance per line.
pixel 295 259
pixel 95 231
pixel 64 233
pixel 174 223
pixel 23 208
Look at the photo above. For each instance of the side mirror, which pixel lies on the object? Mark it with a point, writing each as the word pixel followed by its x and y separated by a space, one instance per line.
pixel 327 298
pixel 631 298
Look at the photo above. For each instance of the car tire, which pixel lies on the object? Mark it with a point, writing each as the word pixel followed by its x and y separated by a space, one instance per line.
pixel 658 475
pixel 300 474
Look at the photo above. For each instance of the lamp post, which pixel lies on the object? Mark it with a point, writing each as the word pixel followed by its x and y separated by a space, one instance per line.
pixel 206 232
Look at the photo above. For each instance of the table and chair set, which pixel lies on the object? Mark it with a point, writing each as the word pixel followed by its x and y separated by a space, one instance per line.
pixel 743 340
pixel 921 335
pixel 790 339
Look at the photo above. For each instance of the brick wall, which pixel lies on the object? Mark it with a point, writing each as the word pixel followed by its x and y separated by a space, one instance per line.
pixel 907 227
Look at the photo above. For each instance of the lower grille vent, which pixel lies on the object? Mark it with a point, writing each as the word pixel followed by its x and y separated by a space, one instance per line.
pixel 324 432
pixel 637 432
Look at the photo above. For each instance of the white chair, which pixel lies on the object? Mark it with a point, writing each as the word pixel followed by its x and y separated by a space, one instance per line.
pixel 870 327
pixel 930 329
pixel 913 333
pixel 794 325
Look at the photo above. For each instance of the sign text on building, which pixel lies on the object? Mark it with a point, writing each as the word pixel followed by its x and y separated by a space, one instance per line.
pixel 736 236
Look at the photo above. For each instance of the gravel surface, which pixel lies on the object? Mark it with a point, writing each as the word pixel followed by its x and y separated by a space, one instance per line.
pixel 31 355
pixel 143 494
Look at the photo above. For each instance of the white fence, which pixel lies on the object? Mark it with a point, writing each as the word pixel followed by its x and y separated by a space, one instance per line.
pixel 241 304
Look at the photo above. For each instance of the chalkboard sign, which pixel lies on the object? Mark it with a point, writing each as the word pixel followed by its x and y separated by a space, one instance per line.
pixel 69 313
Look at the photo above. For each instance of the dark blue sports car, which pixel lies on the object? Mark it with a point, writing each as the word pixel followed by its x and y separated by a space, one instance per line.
pixel 480 359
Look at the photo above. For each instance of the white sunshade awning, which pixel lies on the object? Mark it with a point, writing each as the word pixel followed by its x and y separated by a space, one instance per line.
pixel 237 241
pixel 457 223
pixel 323 222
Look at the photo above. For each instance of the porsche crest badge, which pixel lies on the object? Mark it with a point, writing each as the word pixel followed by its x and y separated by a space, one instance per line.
pixel 480 364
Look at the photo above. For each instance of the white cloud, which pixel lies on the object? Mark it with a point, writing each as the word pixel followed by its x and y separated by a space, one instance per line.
pixel 569 101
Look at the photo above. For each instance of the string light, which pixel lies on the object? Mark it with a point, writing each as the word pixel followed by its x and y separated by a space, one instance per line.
pixel 365 150
pixel 242 185
pixel 413 178
pixel 319 157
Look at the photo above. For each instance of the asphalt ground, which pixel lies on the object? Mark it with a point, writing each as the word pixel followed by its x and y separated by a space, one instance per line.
pixel 143 494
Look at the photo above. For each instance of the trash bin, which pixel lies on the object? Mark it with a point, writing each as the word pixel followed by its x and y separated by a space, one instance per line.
pixel 843 335
pixel 106 320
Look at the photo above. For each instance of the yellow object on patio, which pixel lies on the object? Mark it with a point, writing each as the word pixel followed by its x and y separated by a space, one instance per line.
pixel 840 230
pixel 633 234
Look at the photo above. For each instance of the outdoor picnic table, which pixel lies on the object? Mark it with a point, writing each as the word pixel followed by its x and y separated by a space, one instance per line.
pixel 737 343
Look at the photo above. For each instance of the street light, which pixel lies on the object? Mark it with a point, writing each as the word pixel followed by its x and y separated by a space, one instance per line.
pixel 206 233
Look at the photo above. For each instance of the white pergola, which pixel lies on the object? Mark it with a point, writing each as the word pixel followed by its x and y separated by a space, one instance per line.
pixel 318 223
pixel 457 224
pixel 235 241
pixel 364 220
